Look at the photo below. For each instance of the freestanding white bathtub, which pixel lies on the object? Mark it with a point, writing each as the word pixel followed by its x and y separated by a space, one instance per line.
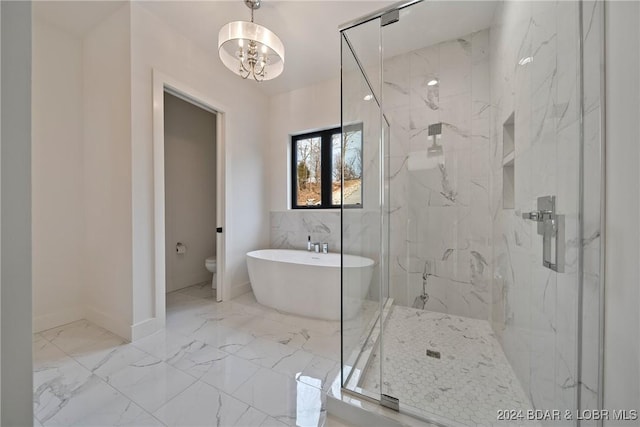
pixel 308 283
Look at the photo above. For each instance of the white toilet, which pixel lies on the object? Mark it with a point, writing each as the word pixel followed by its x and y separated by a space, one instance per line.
pixel 211 265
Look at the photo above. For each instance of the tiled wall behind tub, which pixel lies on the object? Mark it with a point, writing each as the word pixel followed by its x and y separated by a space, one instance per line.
pixel 290 229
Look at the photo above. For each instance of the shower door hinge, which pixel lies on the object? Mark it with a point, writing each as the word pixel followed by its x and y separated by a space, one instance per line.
pixel 390 18
pixel 390 402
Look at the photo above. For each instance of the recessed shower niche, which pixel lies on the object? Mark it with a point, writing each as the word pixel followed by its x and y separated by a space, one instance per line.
pixel 508 162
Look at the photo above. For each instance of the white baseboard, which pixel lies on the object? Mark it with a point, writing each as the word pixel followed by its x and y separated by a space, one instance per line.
pixel 53 320
pixel 238 290
pixel 146 328
pixel 119 327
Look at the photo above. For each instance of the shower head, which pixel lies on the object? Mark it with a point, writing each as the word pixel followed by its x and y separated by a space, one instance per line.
pixel 435 129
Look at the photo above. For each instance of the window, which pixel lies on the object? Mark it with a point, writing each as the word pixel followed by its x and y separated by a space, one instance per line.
pixel 319 162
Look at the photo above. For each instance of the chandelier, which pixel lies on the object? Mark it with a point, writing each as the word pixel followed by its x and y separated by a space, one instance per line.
pixel 251 50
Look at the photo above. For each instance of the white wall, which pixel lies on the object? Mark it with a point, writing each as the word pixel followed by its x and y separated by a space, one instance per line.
pixel 190 191
pixel 57 175
pixel 15 152
pixel 622 296
pixel 309 108
pixel 107 173
pixel 156 46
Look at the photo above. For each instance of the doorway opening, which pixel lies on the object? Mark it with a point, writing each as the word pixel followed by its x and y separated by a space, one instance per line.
pixel 190 197
pixel 189 192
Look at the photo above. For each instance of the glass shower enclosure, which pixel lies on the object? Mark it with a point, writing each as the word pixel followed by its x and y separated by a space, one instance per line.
pixel 481 124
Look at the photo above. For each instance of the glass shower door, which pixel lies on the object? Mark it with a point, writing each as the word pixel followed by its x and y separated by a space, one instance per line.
pixel 362 232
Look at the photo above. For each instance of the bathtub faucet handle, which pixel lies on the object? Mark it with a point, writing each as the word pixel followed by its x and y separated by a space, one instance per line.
pixel 325 248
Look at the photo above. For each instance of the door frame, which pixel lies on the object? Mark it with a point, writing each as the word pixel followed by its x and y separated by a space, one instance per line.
pixel 163 83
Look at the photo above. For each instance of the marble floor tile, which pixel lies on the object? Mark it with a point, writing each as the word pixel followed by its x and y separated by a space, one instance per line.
pixel 265 353
pixel 201 290
pixel 163 344
pixel 196 358
pixel 46 354
pixel 252 417
pixel 150 382
pixel 325 327
pixel 283 398
pixel 222 337
pixel 324 345
pixel 276 331
pixel 109 361
pixel 229 373
pixel 187 354
pixel 97 404
pixel 293 364
pixel 202 404
pixel 178 302
pixel 232 363
pixel 272 422
pixel 336 422
pixel 320 370
pixel 55 382
pixel 272 393
pixel 82 338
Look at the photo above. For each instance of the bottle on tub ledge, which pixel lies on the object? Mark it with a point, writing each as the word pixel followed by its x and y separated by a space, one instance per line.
pixel 309 245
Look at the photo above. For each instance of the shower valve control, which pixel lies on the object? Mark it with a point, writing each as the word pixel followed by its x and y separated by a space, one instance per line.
pixel 533 216
pixel 551 228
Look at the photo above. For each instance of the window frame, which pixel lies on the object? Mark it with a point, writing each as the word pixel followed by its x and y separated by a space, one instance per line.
pixel 326 158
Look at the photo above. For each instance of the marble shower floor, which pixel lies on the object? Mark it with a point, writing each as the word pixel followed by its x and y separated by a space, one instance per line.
pixel 235 363
pixel 468 384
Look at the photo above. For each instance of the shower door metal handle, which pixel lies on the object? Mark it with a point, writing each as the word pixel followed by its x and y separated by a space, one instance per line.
pixel 550 227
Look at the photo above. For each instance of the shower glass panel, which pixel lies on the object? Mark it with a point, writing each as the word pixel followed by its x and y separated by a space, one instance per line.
pixel 362 233
pixel 473 152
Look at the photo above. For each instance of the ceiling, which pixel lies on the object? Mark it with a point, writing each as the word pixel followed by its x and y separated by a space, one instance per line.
pixel 307 28
pixel 77 17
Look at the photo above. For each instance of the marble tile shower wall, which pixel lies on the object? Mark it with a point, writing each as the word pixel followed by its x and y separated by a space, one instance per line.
pixel 535 310
pixel 440 204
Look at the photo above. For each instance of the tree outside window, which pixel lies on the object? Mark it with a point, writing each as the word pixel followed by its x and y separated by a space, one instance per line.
pixel 321 162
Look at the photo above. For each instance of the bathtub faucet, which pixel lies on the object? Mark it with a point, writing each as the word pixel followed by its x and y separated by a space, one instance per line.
pixel 317 246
